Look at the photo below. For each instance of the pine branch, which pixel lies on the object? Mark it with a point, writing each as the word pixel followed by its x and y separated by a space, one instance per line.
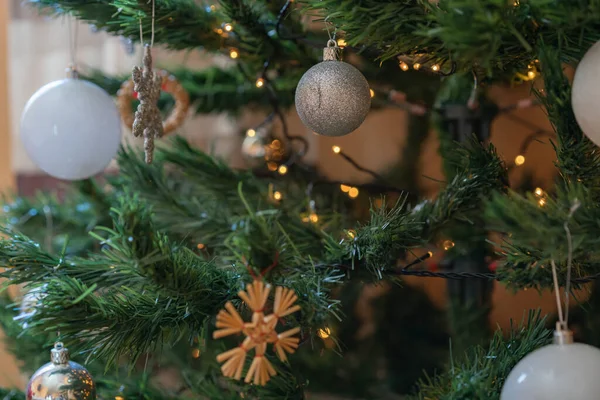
pixel 184 24
pixel 496 36
pixel 33 350
pixel 147 289
pixel 481 373
pixel 380 243
pixel 55 223
pixel 536 235
pixel 535 223
pixel 214 89
pixel 180 24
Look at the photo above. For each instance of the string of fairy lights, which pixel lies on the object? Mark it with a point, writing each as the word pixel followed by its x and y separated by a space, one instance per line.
pixel 274 150
pixel 276 162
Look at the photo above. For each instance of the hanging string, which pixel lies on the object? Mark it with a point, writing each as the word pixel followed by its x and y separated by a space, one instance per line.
pixel 141 33
pixel 151 27
pixel 328 31
pixel 563 318
pixel 153 17
pixel 73 34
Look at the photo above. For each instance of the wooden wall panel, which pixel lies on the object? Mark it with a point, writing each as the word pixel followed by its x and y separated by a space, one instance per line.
pixel 6 176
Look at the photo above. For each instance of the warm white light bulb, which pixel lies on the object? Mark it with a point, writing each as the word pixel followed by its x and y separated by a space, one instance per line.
pixel 519 160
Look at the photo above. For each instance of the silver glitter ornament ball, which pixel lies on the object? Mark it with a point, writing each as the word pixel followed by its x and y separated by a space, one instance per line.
pixel 333 98
pixel 61 379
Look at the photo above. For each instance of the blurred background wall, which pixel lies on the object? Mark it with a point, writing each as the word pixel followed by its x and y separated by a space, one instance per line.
pixel 34 50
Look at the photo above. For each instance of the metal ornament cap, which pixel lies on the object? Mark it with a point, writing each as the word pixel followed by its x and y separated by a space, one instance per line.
pixel 563 336
pixel 61 379
pixel 59 355
pixel 333 97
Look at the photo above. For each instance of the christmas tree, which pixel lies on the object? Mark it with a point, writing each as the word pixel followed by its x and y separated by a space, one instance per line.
pixel 244 283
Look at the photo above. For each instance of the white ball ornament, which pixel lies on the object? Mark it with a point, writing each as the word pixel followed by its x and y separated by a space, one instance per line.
pixel 585 94
pixel 71 129
pixel 563 370
pixel 333 98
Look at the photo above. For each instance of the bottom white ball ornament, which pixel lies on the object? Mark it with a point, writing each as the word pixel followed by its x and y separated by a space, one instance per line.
pixel 71 129
pixel 61 379
pixel 333 98
pixel 585 94
pixel 563 370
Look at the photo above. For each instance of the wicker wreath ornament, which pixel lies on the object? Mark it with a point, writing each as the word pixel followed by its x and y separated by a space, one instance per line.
pixel 170 85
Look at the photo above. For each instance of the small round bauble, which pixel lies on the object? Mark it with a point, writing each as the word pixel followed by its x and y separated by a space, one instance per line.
pixel 61 379
pixel 585 94
pixel 71 129
pixel 333 98
pixel 30 303
pixel 557 371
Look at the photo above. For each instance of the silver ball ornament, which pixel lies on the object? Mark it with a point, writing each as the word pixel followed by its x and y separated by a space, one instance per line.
pixel 61 379
pixel 333 98
pixel 563 370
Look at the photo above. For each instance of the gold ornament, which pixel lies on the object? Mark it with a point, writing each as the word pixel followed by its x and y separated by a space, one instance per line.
pixel 333 98
pixel 61 379
pixel 259 332
pixel 148 120
pixel 261 144
pixel 254 146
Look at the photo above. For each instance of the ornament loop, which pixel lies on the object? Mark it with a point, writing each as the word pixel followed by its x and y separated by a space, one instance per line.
pixel 331 43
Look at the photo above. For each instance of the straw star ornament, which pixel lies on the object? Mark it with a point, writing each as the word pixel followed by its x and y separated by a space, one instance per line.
pixel 259 332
